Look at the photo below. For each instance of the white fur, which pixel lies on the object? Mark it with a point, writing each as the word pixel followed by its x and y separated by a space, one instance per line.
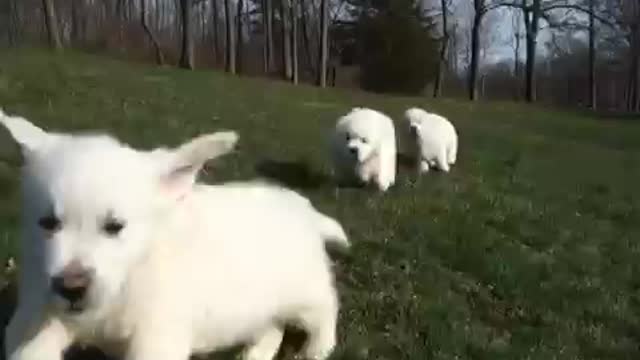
pixel 363 148
pixel 434 139
pixel 195 269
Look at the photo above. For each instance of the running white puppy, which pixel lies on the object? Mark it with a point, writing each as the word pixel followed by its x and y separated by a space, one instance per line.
pixel 363 148
pixel 124 250
pixel 434 140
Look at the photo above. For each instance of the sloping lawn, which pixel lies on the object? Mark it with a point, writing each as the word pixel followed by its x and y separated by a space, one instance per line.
pixel 529 249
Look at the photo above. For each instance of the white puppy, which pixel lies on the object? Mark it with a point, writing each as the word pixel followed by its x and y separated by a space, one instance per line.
pixel 433 138
pixel 363 148
pixel 124 250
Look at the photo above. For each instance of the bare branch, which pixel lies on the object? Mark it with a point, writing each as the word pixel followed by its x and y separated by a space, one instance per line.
pixel 492 7
pixel 579 9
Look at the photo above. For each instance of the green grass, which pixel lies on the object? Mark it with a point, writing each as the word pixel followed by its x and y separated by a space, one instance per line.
pixel 529 249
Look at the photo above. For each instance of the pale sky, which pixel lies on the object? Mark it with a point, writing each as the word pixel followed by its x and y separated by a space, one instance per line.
pixel 497 31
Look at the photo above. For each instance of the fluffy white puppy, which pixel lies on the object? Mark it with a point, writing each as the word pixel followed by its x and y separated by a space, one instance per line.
pixel 434 140
pixel 124 250
pixel 363 148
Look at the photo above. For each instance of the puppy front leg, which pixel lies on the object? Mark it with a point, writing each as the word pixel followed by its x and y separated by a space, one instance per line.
pixel 386 176
pixel 441 160
pixel 423 167
pixel 26 338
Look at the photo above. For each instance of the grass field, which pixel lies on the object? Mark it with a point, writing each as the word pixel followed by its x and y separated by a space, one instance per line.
pixel 529 249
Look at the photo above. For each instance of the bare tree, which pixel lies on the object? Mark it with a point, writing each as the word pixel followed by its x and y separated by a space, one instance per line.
pixel 150 34
pixel 305 35
pixel 77 22
pixel 14 24
pixel 268 41
pixel 231 43
pixel 186 57
pixel 203 21
pixel 216 29
pixel 592 56
pixel 532 26
pixel 533 12
pixel 444 49
pixel 323 53
pixel 479 12
pixel 294 41
pixel 454 57
pixel 239 40
pixel 119 15
pixel 285 16
pixel 630 18
pixel 517 28
pixel 51 23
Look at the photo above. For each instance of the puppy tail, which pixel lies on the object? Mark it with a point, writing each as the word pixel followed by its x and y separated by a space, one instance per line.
pixel 332 232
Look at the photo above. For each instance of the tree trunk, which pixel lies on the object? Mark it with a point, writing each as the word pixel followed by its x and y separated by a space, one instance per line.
pixel 12 24
pixel 454 56
pixel 323 53
pixel 516 66
pixel 633 85
pixel 149 32
pixel 239 44
pixel 592 57
pixel 203 23
pixel 265 44
pixel 130 10
pixel 475 51
pixel 186 57
pixel 633 98
pixel 305 36
pixel 532 41
pixel 51 24
pixel 156 17
pixel 268 18
pixel 637 87
pixel 15 23
pixel 285 11
pixel 444 49
pixel 119 15
pixel 230 59
pixel 294 41
pixel 76 20
pixel 216 30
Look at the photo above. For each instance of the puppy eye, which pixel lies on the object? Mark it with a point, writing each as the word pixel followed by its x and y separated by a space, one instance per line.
pixel 113 227
pixel 364 140
pixel 348 137
pixel 49 223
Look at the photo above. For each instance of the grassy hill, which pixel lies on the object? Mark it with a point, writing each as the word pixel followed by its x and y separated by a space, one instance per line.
pixel 529 249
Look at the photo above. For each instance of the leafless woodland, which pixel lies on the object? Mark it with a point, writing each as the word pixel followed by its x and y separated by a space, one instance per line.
pixel 579 53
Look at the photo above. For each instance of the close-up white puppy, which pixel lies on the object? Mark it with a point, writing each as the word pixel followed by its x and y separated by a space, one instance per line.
pixel 363 148
pixel 125 250
pixel 434 140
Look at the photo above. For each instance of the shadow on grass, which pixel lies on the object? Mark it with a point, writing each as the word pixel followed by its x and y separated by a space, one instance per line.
pixel 299 174
pixel 295 174
pixel 406 162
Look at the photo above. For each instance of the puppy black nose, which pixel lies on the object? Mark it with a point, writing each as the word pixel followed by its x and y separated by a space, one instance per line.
pixel 72 283
pixel 353 150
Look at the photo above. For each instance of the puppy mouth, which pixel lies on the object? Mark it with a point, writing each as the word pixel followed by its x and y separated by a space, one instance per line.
pixel 76 308
pixel 72 308
pixel 353 152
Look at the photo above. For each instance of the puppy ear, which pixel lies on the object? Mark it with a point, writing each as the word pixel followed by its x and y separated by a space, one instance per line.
pixel 25 134
pixel 185 162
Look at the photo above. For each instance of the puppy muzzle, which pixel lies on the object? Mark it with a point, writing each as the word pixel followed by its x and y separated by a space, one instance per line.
pixel 72 284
